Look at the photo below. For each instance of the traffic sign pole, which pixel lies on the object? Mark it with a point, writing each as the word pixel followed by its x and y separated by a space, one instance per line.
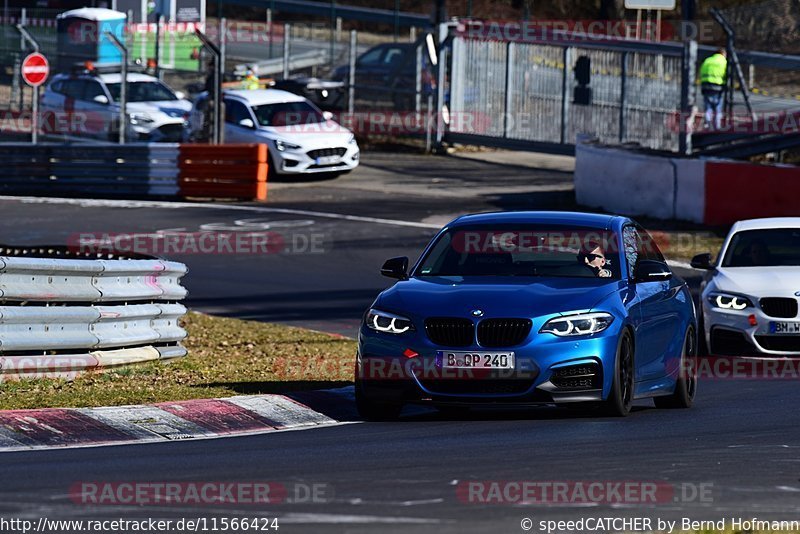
pixel 35 70
pixel 38 77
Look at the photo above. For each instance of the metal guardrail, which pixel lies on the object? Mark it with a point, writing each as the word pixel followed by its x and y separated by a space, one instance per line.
pixel 62 316
pixel 305 60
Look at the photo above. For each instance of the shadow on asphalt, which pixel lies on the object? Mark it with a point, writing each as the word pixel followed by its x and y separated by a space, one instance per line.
pixel 304 178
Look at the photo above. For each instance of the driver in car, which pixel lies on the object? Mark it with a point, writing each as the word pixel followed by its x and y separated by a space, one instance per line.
pixel 592 256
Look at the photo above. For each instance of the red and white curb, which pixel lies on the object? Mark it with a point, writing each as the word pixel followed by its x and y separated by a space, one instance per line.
pixel 167 421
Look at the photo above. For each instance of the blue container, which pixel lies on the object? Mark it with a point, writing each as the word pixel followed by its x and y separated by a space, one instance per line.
pixel 82 37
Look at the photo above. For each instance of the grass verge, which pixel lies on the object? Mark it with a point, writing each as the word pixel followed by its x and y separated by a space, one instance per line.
pixel 226 357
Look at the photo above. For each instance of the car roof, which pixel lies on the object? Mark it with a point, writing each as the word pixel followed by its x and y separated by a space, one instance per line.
pixel 392 45
pixel 766 223
pixel 573 218
pixel 258 97
pixel 116 77
pixel 93 13
pixel 111 77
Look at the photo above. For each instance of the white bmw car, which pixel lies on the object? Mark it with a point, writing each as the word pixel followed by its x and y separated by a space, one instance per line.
pixel 749 296
pixel 301 138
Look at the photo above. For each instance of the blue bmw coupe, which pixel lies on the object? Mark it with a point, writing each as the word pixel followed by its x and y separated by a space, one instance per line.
pixel 529 308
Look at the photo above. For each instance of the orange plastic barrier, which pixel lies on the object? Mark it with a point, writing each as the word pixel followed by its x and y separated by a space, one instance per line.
pixel 223 171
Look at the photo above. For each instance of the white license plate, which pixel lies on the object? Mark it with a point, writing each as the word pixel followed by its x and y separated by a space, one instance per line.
pixel 325 160
pixel 477 360
pixel 784 327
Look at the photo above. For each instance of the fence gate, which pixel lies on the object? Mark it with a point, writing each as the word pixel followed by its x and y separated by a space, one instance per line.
pixel 546 89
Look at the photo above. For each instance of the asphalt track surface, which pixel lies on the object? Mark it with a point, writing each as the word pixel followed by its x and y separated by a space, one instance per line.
pixel 738 447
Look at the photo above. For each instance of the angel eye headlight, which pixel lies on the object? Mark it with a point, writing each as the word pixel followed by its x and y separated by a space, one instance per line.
pixel 579 324
pixel 382 321
pixel 729 302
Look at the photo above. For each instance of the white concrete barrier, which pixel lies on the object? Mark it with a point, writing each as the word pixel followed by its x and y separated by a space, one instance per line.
pixel 636 183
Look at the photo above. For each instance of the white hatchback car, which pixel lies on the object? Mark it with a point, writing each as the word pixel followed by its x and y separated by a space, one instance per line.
pixel 301 138
pixel 749 297
pixel 91 100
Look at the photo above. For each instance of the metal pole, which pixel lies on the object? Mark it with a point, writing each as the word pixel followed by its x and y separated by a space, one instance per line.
pixel 658 25
pixel 623 75
pixel 688 68
pixel 35 116
pixel 158 46
pixel 566 59
pixel 24 22
pixel 428 124
pixel 269 30
pixel 440 104
pixel 123 88
pixel 418 81
pixel 509 82
pixel 211 47
pixel 351 75
pixel 287 37
pixel 223 44
pixel 25 36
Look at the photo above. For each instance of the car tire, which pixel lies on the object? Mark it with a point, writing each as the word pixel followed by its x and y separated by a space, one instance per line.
pixel 272 172
pixel 620 398
pixel 686 385
pixel 371 410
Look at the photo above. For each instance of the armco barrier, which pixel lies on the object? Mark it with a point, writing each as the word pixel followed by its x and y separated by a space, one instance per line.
pixel 135 171
pixel 60 316
pixel 709 191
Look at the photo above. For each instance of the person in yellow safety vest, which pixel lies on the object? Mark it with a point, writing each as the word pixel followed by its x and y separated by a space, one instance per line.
pixel 713 74
pixel 250 80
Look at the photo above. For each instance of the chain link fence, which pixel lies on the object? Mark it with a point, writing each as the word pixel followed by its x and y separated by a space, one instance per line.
pixel 530 92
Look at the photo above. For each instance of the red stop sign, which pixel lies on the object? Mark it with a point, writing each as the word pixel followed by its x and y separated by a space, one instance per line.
pixel 35 69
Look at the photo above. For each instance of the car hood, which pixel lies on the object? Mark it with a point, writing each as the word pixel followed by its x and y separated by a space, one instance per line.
pixel 758 281
pixel 329 133
pixel 175 109
pixel 453 296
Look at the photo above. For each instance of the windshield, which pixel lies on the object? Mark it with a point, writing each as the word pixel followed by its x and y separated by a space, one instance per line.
pixel 522 250
pixel 143 92
pixel 764 248
pixel 287 114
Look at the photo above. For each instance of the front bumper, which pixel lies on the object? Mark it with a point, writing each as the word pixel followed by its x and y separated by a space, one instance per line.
pixel 300 161
pixel 170 132
pixel 548 370
pixel 730 333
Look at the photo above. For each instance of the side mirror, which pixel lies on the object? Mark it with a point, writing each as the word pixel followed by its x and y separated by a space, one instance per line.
pixel 327 115
pixel 180 95
pixel 702 261
pixel 396 268
pixel 651 271
pixel 101 99
pixel 247 123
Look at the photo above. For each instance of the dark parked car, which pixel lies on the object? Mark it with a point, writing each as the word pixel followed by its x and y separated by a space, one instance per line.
pixel 390 70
